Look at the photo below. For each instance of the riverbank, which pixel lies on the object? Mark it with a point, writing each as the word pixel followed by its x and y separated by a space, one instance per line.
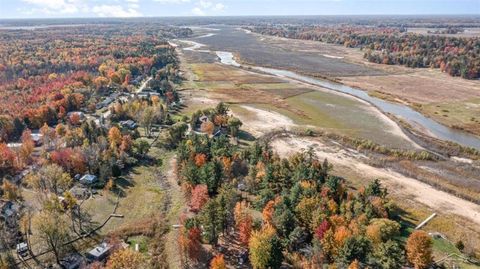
pixel 451 101
pixel 225 50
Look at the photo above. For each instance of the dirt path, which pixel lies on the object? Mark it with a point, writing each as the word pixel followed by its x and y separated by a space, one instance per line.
pixel 410 188
pixel 178 206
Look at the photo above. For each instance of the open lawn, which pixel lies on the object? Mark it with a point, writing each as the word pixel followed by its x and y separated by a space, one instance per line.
pixel 142 195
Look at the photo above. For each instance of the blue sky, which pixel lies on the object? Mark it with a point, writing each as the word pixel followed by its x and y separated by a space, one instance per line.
pixel 138 8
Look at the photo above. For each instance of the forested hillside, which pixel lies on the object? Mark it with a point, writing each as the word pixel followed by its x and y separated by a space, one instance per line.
pixel 46 73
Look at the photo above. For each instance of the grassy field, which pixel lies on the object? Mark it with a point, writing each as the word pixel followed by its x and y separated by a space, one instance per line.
pixel 461 114
pixel 142 195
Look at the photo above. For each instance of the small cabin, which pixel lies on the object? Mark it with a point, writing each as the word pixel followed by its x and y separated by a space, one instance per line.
pixel 88 179
pixel 22 249
pixel 99 253
pixel 129 124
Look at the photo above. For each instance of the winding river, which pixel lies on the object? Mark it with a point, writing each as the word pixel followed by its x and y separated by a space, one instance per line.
pixel 404 112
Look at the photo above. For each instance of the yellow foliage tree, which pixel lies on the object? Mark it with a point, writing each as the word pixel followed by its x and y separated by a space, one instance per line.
pixel 114 136
pixel 354 265
pixel 125 259
pixel 265 249
pixel 10 191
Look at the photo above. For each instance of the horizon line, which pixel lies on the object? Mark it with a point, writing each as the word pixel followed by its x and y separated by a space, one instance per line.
pixel 233 16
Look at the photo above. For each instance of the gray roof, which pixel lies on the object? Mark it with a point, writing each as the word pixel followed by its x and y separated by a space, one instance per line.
pixel 100 250
pixel 88 178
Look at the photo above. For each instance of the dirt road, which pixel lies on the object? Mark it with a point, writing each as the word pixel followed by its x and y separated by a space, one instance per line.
pixel 178 206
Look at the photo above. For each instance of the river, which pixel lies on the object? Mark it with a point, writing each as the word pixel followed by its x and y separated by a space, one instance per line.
pixel 404 112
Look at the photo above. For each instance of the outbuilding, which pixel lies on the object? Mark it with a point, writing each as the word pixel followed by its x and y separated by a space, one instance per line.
pixel 99 253
pixel 88 179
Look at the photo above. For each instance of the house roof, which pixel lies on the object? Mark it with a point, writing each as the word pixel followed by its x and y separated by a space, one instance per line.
pixel 100 250
pixel 22 246
pixel 8 208
pixel 88 178
pixel 14 145
pixel 36 136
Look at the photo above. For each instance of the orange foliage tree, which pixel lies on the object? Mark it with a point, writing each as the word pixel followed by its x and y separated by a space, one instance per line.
pixel 419 249
pixel 208 127
pixel 27 146
pixel 218 262
pixel 200 159
pixel 194 243
pixel 267 213
pixel 243 221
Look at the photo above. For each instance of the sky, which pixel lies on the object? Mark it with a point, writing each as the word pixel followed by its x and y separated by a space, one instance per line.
pixel 163 8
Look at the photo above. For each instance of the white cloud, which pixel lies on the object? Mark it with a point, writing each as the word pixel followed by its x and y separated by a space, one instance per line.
pixel 132 1
pixel 57 6
pixel 115 11
pixel 172 1
pixel 205 4
pixel 133 5
pixel 219 7
pixel 198 12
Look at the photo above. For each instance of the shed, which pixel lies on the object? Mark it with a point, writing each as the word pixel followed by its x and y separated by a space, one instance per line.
pixel 130 124
pixel 22 249
pixel 88 179
pixel 99 253
pixel 14 145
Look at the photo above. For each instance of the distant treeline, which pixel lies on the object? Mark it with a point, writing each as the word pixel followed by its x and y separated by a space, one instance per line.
pixel 454 55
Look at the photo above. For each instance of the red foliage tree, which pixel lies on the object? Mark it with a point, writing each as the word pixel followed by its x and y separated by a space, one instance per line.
pixel 70 159
pixel 199 197
pixel 322 229
pixel 194 243
pixel 7 159
pixel 245 228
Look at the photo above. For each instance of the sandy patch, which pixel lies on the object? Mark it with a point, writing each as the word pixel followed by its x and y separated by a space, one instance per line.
pixel 332 56
pixel 260 121
pixel 441 202
pixel 203 100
